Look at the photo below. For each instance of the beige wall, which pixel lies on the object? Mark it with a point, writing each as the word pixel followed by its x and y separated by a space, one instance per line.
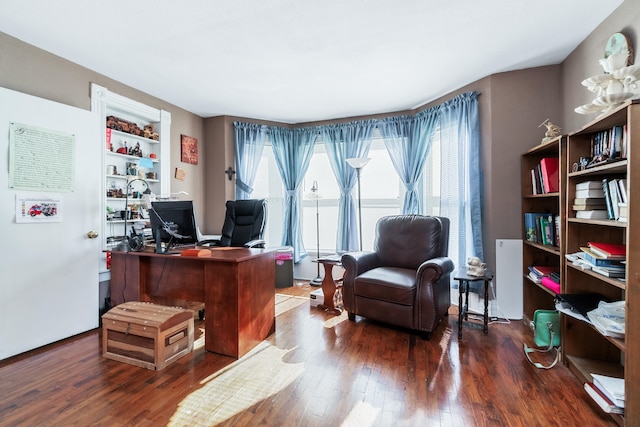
pixel 583 61
pixel 30 70
pixel 512 105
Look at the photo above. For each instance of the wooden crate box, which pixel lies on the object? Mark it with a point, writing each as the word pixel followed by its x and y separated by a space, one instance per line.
pixel 147 335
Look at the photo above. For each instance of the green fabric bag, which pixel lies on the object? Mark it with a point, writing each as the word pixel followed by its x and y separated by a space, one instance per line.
pixel 546 334
pixel 546 325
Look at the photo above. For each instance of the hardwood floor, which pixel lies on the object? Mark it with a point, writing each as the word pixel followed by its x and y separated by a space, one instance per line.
pixel 316 370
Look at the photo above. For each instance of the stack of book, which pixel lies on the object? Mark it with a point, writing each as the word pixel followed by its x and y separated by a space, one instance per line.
pixel 590 202
pixel 607 392
pixel 546 276
pixel 605 258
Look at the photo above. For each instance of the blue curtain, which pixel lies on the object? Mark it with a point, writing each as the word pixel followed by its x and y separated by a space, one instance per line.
pixel 249 143
pixel 408 140
pixel 344 141
pixel 461 183
pixel 292 149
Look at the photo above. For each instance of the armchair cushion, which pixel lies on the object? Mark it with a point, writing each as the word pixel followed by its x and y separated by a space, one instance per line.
pixel 391 284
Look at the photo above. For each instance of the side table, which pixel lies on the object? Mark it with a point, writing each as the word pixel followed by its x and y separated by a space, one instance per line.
pixel 463 288
pixel 328 284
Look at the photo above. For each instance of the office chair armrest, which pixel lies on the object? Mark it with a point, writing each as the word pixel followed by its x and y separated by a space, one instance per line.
pixel 258 243
pixel 209 242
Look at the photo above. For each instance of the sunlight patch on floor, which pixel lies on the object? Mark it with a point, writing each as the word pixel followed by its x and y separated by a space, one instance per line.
pixel 335 320
pixel 285 303
pixel 362 415
pixel 256 376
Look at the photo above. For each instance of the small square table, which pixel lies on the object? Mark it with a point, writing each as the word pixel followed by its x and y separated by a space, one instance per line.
pixel 463 311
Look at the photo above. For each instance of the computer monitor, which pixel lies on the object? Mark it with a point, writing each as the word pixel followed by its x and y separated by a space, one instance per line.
pixel 173 223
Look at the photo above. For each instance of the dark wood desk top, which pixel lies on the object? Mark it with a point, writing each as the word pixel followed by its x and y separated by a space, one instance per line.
pixel 230 254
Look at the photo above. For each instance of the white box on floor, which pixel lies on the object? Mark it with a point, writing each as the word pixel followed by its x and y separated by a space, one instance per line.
pixel 316 297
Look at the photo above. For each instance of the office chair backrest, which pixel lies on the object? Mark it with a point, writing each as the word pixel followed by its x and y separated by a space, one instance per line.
pixel 244 221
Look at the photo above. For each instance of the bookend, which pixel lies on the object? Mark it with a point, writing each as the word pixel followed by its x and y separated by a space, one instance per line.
pixel 546 325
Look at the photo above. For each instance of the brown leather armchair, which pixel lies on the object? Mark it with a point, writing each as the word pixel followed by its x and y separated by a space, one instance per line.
pixel 405 280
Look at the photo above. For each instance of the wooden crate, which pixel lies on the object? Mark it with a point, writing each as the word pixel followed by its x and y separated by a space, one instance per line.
pixel 147 335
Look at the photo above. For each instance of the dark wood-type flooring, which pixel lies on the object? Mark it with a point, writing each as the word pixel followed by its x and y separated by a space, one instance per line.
pixel 316 370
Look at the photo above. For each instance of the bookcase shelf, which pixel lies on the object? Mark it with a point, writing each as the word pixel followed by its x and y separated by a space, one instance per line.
pixel 586 351
pixel 535 295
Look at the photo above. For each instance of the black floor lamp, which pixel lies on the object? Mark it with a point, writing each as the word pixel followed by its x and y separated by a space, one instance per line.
pixel 358 163
pixel 315 195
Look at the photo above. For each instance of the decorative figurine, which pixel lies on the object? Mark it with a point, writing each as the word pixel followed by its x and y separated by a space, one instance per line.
pixel 552 132
pixel 136 151
pixel 475 267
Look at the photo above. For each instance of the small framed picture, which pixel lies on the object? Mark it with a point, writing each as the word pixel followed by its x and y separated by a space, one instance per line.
pixel 189 149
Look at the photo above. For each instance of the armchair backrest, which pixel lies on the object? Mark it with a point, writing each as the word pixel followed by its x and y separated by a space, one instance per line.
pixel 244 221
pixel 407 241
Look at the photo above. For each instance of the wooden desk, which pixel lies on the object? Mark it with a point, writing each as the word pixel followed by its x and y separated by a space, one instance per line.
pixel 236 286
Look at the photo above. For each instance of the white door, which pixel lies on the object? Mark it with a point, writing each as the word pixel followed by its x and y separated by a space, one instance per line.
pixel 49 270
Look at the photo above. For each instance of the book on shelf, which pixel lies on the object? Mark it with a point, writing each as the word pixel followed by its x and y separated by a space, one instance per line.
pixel 602 400
pixel 614 192
pixel 607 198
pixel 622 185
pixel 551 284
pixel 534 183
pixel 532 226
pixel 596 260
pixel 612 387
pixel 609 272
pixel 589 207
pixel 549 167
pixel 542 270
pixel 609 250
pixel 535 278
pixel 592 214
pixel 592 192
pixel 624 212
pixel 589 185
pixel 589 201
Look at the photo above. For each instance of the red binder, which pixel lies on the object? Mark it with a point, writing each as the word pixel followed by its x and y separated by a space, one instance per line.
pixel 609 249
pixel 550 174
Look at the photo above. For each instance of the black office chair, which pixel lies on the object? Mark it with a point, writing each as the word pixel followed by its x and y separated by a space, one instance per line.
pixel 243 225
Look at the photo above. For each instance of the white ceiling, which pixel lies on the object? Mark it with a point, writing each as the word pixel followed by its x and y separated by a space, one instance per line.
pixel 295 61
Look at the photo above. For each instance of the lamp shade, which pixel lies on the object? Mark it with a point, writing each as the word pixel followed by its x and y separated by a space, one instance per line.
pixel 358 162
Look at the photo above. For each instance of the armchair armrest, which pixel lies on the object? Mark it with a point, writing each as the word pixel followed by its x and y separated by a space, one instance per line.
pixel 356 263
pixel 441 265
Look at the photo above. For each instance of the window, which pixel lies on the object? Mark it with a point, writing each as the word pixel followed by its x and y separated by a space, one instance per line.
pixel 381 188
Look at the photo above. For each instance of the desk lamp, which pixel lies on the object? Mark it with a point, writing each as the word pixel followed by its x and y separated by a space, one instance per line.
pixel 358 163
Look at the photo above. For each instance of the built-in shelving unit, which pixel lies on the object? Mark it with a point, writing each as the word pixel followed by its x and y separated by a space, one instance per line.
pixel 132 160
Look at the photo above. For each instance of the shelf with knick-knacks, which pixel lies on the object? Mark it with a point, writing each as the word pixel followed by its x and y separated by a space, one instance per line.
pixel 135 159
